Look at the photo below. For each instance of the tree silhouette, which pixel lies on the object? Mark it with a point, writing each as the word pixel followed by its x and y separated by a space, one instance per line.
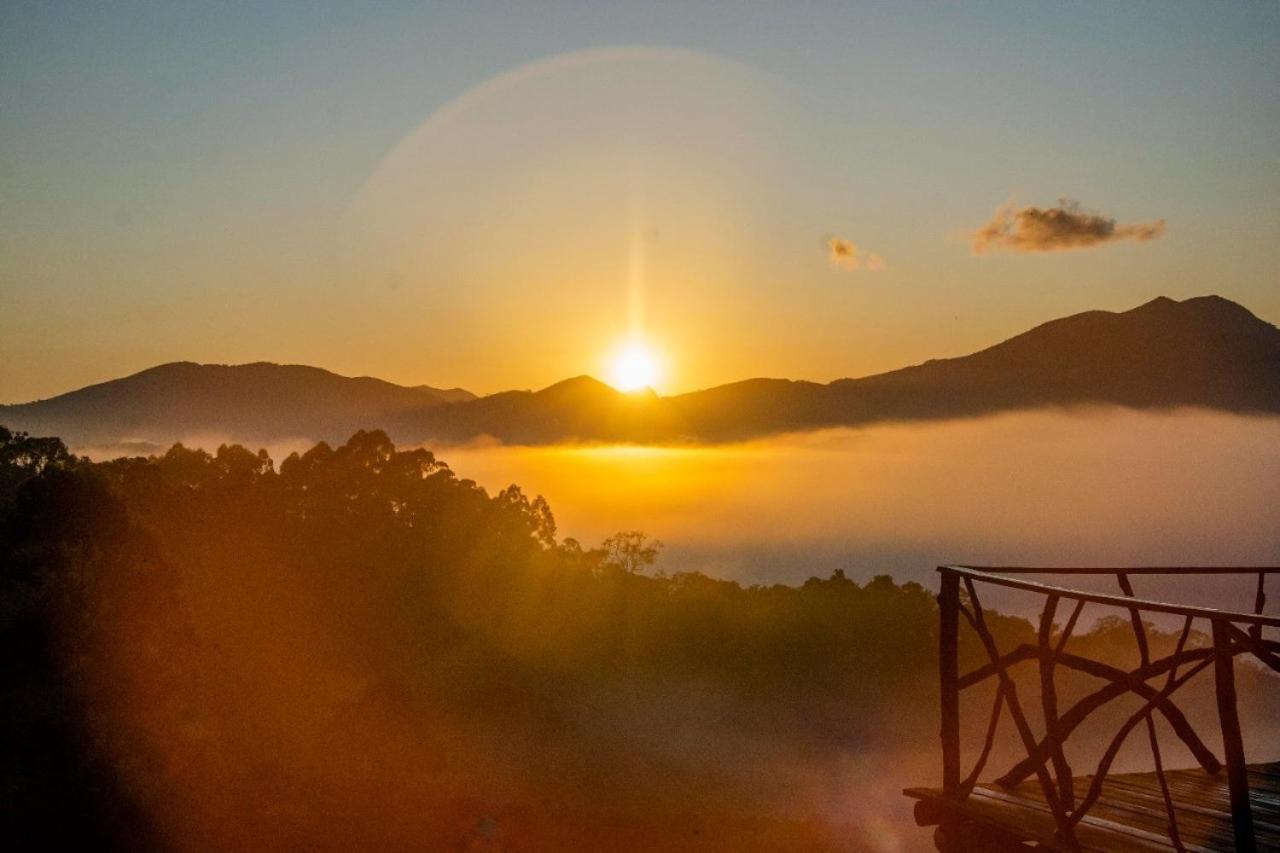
pixel 23 457
pixel 631 551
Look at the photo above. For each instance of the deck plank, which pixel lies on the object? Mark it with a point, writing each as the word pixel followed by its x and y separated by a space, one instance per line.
pixel 1130 814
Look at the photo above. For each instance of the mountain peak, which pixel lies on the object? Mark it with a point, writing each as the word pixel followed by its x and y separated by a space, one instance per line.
pixel 579 385
pixel 1210 306
pixel 1219 306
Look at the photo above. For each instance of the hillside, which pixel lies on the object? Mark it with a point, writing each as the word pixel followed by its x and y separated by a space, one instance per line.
pixel 259 402
pixel 1206 352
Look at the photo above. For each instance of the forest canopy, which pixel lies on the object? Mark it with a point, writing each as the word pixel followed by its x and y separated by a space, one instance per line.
pixel 359 649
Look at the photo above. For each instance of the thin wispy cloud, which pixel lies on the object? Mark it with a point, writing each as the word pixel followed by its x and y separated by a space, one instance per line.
pixel 1056 229
pixel 845 255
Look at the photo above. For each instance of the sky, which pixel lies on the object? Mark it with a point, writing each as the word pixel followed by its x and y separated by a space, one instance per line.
pixel 500 196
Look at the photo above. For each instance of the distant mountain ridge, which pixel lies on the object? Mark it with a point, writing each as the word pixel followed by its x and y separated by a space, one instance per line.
pixel 1205 351
pixel 258 402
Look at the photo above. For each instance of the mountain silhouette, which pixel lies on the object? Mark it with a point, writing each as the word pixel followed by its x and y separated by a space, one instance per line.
pixel 1206 352
pixel 578 409
pixel 260 402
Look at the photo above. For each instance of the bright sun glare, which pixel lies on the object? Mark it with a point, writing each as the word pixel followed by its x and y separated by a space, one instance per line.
pixel 633 368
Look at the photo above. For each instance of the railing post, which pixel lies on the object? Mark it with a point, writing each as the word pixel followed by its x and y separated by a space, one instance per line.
pixel 949 676
pixel 1259 604
pixel 1232 742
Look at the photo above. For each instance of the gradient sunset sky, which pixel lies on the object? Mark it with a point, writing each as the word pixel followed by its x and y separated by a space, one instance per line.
pixel 499 195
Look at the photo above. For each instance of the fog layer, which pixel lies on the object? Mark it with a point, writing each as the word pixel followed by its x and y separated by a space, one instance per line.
pixel 1045 488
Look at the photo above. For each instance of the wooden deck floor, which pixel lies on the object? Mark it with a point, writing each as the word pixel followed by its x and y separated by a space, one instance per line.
pixel 1129 816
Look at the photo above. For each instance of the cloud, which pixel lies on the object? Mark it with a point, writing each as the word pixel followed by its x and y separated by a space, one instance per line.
pixel 1054 229
pixel 847 256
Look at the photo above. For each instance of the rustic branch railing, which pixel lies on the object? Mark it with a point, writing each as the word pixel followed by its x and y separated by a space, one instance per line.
pixel 1232 633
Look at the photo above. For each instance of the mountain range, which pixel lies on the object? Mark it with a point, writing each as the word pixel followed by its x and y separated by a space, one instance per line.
pixel 1204 352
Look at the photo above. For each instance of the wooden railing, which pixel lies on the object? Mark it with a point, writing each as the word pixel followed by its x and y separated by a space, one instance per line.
pixel 1232 633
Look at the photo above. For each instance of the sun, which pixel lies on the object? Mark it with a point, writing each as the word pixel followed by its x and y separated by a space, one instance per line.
pixel 633 368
